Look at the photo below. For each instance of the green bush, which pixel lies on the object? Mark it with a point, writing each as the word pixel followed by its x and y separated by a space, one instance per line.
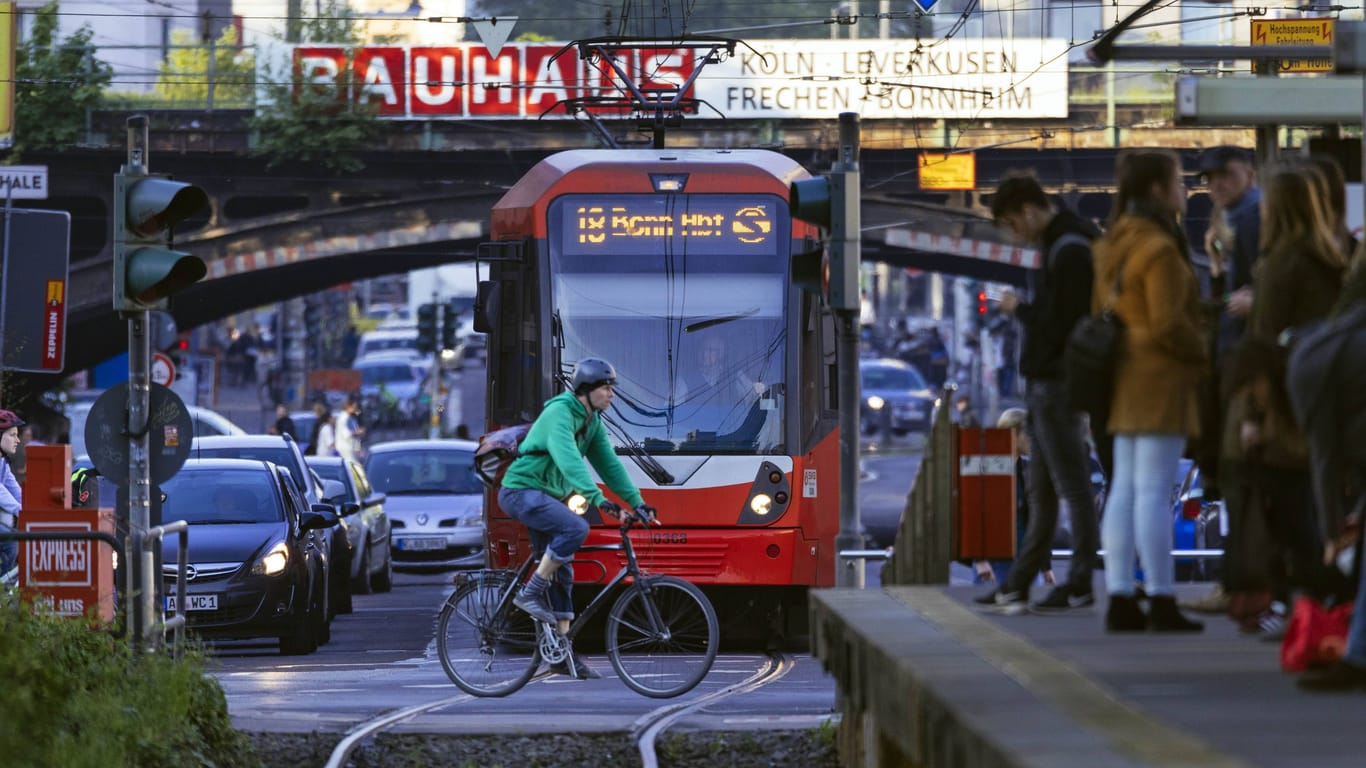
pixel 76 697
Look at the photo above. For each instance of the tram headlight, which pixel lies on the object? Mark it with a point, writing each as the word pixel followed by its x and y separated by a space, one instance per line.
pixel 761 504
pixel 876 402
pixel 577 504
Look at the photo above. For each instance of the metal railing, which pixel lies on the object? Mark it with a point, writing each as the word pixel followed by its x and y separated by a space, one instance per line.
pixel 849 558
pixel 176 623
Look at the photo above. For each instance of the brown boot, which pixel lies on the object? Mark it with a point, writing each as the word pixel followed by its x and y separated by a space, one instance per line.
pixel 1164 616
pixel 1124 615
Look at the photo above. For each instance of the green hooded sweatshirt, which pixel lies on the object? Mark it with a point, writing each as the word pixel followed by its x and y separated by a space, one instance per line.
pixel 550 459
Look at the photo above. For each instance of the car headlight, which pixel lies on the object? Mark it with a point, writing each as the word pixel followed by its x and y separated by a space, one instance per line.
pixel 577 504
pixel 272 562
pixel 472 520
pixel 876 402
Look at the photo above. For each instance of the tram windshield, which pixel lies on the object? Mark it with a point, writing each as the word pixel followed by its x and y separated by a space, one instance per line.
pixel 693 324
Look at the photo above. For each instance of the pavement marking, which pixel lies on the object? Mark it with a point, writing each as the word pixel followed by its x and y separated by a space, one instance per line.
pixel 1062 686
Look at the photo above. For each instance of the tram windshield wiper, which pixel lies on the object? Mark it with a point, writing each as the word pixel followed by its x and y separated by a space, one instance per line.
pixel 714 321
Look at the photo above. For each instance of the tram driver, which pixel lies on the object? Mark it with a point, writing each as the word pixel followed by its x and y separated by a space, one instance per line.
pixel 728 393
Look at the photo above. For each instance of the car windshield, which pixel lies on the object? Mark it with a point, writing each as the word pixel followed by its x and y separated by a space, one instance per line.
pixel 892 378
pixel 281 456
pixel 424 472
pixel 221 497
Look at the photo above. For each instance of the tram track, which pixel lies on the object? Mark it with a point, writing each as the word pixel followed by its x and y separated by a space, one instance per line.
pixel 646 729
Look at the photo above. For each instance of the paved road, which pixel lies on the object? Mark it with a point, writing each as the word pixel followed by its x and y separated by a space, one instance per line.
pixel 382 658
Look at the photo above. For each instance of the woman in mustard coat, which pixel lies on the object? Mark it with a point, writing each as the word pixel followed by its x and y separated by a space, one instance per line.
pixel 1144 272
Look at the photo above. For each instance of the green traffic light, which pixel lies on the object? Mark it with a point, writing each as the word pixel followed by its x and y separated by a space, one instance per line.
pixel 146 269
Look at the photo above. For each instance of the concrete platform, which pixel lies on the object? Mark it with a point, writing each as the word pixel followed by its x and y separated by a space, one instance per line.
pixel 925 678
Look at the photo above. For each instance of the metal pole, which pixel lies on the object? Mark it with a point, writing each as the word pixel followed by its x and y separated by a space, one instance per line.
pixel 142 600
pixel 139 477
pixel 847 573
pixel 4 271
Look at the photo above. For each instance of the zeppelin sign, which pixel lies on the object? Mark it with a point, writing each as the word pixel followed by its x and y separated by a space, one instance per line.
pixel 802 79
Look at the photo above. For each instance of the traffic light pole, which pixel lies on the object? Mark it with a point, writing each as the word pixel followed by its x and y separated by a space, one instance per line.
pixel 845 254
pixel 142 600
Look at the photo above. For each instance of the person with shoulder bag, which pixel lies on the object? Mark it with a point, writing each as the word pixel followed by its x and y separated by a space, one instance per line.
pixel 1059 469
pixel 1144 260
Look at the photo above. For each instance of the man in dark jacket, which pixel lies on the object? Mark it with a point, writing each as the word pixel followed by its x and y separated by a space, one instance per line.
pixel 1062 296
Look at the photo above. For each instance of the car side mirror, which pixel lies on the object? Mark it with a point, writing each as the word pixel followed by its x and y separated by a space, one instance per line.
pixel 319 517
pixel 333 491
pixel 349 508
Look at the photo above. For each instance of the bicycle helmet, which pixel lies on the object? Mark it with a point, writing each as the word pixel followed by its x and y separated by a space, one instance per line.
pixel 591 373
pixel 10 419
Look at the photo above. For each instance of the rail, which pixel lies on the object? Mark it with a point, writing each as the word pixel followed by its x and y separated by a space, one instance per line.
pixel 850 557
pixel 176 623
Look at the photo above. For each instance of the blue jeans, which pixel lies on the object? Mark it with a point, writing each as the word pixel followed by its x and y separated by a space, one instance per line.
pixel 9 552
pixel 1138 513
pixel 555 531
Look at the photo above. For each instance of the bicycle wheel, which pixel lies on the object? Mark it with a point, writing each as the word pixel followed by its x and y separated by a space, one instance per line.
pixel 662 642
pixel 484 652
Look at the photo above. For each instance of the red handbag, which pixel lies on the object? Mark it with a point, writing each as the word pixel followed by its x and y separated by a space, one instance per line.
pixel 1315 636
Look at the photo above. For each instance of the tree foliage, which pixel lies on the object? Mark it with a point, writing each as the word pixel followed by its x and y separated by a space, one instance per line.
pixel 317 122
pixel 55 84
pixel 184 75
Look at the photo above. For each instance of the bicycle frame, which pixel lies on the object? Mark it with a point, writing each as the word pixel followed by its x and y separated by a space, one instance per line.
pixel 631 569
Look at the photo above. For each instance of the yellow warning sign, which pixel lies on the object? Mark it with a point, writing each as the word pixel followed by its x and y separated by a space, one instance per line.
pixel 940 170
pixel 1295 32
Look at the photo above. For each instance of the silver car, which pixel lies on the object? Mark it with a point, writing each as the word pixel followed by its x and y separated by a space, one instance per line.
pixel 367 524
pixel 434 500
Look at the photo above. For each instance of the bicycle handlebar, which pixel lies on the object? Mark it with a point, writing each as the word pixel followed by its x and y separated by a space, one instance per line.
pixel 630 517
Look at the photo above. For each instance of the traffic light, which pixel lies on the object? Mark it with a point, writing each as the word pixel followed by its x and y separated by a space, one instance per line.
pixel 449 314
pixel 830 202
pixel 426 329
pixel 982 305
pixel 146 269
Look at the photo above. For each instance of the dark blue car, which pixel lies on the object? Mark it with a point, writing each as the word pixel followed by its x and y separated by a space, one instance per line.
pixel 253 569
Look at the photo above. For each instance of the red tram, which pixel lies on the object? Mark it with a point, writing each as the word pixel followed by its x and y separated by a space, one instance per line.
pixel 674 265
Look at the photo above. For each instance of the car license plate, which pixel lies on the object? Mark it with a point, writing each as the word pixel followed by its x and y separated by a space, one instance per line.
pixel 423 543
pixel 194 603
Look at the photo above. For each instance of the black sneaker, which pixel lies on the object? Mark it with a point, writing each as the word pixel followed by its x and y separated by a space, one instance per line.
pixel 1062 599
pixel 987 598
pixel 537 605
pixel 575 667
pixel 1011 603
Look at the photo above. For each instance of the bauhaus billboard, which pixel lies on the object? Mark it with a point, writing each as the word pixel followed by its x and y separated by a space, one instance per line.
pixel 802 79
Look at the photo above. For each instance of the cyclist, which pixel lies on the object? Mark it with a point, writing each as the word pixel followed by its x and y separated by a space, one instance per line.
pixel 549 470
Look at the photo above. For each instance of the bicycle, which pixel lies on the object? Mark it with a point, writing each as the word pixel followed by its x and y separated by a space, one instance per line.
pixel 661 632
